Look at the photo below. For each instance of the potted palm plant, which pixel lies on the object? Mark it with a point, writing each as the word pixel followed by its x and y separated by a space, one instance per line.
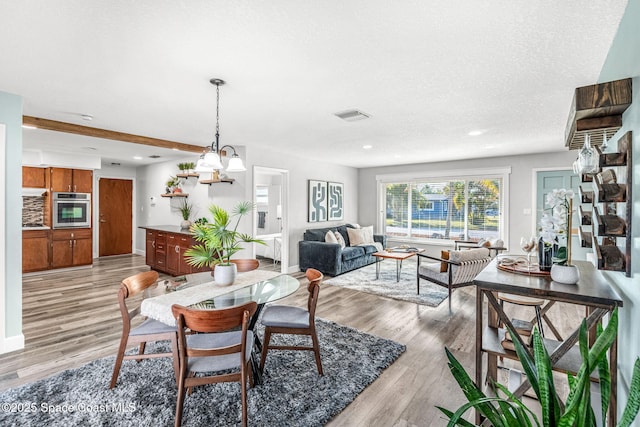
pixel 218 240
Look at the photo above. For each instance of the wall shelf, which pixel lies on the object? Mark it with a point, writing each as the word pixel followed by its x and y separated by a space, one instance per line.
pixel 188 175
pixel 217 181
pixel 585 195
pixel 608 225
pixel 175 195
pixel 585 216
pixel 586 238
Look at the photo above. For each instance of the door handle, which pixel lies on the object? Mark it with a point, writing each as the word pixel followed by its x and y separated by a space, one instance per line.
pixel 103 220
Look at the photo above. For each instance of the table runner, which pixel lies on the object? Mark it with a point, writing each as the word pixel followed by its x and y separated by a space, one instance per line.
pixel 159 308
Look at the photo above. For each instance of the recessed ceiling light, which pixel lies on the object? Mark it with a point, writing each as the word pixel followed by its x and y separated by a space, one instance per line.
pixel 29 127
pixel 89 148
pixel 475 132
pixel 367 147
pixel 87 117
pixel 137 157
pixel 175 149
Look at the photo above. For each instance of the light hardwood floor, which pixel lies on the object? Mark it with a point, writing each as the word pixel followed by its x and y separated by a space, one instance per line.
pixel 72 317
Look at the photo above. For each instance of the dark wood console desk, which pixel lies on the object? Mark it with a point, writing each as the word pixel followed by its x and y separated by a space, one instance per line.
pixel 592 291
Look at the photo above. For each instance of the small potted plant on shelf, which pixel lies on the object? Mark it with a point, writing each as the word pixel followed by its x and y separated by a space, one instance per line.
pixel 186 209
pixel 219 240
pixel 173 185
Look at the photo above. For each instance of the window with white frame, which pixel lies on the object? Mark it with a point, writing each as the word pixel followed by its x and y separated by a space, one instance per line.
pixel 440 207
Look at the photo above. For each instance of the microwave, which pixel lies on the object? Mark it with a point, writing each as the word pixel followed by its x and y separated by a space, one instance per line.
pixel 71 210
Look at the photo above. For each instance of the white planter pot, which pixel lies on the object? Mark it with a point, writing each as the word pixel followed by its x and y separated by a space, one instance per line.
pixel 225 274
pixel 185 224
pixel 567 274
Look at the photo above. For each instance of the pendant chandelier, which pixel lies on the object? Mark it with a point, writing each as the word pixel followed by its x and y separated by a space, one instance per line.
pixel 212 160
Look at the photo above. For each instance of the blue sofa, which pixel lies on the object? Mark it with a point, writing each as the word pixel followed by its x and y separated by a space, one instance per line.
pixel 330 258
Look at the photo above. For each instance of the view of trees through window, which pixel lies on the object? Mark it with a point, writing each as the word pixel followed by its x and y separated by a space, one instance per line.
pixel 467 209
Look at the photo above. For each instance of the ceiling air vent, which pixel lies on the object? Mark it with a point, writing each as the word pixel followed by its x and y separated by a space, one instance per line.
pixel 352 115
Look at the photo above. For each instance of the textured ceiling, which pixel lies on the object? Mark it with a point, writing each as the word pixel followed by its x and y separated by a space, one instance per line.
pixel 428 73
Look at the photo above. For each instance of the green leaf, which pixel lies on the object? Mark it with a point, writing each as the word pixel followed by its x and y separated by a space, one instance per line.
pixel 604 374
pixel 633 400
pixel 547 396
pixel 462 422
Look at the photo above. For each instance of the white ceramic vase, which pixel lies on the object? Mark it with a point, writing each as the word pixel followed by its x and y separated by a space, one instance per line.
pixel 225 274
pixel 185 224
pixel 567 274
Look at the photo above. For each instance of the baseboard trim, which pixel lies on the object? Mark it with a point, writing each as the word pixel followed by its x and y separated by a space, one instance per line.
pixel 293 269
pixel 9 344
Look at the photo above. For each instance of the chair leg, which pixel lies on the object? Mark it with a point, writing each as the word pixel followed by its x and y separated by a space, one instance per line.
pixel 316 350
pixel 176 357
pixel 265 347
pixel 142 346
pixel 119 358
pixel 251 380
pixel 450 291
pixel 243 393
pixel 180 403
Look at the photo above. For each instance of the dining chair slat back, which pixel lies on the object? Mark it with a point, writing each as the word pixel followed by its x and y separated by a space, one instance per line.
pixel 284 319
pixel 148 330
pixel 205 339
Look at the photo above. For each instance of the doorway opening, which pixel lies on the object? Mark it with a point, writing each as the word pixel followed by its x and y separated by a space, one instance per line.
pixel 270 222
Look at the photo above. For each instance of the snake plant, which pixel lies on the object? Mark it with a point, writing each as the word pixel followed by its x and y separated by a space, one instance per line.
pixel 505 409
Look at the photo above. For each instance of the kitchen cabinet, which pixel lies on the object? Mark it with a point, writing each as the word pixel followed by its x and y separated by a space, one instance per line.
pixel 71 180
pixel 150 248
pixel 34 177
pixel 161 251
pixel 177 244
pixel 71 247
pixel 35 250
pixel 165 250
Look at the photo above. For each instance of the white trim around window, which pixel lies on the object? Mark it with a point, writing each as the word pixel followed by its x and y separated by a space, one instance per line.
pixel 452 174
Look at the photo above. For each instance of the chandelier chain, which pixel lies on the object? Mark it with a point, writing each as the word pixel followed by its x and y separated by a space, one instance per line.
pixel 217 109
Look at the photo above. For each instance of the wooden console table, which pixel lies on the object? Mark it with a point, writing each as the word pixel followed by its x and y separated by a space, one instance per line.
pixel 592 291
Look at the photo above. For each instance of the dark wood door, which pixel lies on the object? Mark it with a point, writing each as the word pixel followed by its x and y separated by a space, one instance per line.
pixel 115 216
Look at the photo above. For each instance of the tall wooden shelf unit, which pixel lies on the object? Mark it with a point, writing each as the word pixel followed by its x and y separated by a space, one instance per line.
pixel 605 203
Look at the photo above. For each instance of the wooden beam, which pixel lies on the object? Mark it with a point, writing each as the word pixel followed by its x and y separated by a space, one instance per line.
pixel 108 134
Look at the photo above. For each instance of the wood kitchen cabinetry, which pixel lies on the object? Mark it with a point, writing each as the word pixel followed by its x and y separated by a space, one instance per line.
pixel 71 180
pixel 34 177
pixel 35 250
pixel 165 250
pixel 71 247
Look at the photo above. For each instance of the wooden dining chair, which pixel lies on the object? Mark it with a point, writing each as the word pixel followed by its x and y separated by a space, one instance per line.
pixel 149 330
pixel 210 341
pixel 285 319
pixel 246 264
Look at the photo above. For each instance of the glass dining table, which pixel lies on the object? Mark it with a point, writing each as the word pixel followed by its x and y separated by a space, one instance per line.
pixel 200 291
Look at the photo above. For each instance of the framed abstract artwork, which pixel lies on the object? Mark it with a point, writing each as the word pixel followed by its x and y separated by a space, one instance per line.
pixel 335 200
pixel 317 201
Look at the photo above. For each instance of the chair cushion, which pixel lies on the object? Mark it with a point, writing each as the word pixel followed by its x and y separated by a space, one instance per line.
pixel 468 255
pixel 370 248
pixel 217 363
pixel 285 316
pixel 151 326
pixel 352 252
pixel 432 271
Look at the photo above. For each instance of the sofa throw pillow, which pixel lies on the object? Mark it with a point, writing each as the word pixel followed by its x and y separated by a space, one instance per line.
pixel 339 239
pixel 444 267
pixel 359 236
pixel 330 237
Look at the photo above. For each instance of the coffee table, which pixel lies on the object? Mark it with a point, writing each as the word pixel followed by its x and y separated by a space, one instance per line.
pixel 399 256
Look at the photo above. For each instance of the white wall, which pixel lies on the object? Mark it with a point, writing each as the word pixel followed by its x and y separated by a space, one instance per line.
pixel 151 181
pixel 520 195
pixel 623 61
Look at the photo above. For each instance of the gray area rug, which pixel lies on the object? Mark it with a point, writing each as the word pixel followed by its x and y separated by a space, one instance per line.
pixel 293 394
pixel 364 279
